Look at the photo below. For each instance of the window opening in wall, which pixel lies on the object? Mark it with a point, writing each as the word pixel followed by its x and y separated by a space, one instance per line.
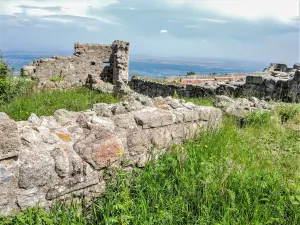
pixel 93 63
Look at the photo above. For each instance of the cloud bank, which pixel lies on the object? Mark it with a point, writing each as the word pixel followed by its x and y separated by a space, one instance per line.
pixel 241 29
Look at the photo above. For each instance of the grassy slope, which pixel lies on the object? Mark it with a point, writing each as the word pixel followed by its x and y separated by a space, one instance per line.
pixel 45 103
pixel 248 175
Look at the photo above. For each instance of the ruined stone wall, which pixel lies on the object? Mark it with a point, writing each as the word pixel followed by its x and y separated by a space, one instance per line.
pixel 109 62
pixel 155 89
pixel 48 158
pixel 285 88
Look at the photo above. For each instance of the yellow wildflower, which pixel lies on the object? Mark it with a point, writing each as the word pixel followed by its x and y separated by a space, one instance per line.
pixel 120 153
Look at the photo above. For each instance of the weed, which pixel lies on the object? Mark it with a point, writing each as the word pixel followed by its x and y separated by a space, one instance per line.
pixel 58 78
pixel 258 118
pixel 175 95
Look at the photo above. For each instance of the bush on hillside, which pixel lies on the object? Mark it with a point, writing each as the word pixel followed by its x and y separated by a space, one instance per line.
pixel 190 73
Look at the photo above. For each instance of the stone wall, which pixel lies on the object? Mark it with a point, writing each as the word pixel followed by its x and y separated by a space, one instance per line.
pixel 109 62
pixel 276 86
pixel 48 158
pixel 155 89
pixel 284 88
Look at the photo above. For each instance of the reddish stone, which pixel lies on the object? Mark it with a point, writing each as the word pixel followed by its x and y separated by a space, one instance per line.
pixel 108 151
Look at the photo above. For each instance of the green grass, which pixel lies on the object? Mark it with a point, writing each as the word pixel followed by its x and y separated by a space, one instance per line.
pixel 236 175
pixel 205 101
pixel 45 103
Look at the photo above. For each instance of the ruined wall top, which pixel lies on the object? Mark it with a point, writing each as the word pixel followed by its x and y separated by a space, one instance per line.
pixel 91 50
pixel 87 59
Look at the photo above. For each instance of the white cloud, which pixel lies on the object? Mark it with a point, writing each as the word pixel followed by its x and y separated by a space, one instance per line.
pixel 58 20
pixel 214 20
pixel 282 10
pixel 64 7
pixel 91 28
pixel 163 31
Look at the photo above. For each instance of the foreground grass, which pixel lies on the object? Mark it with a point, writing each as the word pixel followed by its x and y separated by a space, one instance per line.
pixel 248 175
pixel 45 103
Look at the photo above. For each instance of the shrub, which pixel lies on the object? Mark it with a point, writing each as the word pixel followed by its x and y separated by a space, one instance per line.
pixel 3 68
pixel 11 86
pixel 190 73
pixel 288 112
pixel 135 75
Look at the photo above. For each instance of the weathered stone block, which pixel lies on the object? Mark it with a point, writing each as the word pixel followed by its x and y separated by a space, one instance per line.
pixel 153 117
pixel 28 198
pixel 161 137
pixel 9 142
pixel 73 184
pixel 37 168
pixel 125 121
pixel 100 148
pixel 188 115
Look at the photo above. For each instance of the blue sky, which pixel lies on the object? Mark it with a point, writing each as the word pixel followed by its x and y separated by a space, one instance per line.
pixel 260 30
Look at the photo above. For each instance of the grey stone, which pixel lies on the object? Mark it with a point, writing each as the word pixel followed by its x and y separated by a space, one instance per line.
pixel 118 109
pixel 37 168
pixel 73 184
pixel 9 170
pixel 64 116
pixel 3 114
pixel 153 117
pixel 28 198
pixel 61 160
pixel 188 115
pixel 34 119
pixel 133 106
pixel 125 121
pixel 161 137
pixel 104 123
pixel 174 103
pixel 10 141
pixel 103 109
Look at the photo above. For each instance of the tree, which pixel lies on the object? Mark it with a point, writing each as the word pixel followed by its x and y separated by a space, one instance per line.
pixel 3 68
pixel 190 73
